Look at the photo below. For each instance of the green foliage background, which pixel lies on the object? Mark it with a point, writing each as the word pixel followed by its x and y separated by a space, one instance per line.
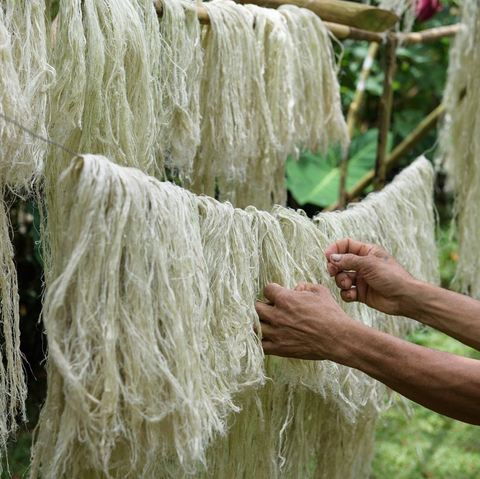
pixel 410 445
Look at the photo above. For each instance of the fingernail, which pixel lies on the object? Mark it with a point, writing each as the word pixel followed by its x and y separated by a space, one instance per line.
pixel 349 295
pixel 336 257
pixel 342 283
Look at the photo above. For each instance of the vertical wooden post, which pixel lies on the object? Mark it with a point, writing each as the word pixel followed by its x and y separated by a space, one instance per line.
pixel 360 89
pixel 342 199
pixel 352 117
pixel 385 113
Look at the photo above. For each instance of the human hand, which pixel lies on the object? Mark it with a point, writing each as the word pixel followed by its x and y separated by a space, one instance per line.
pixel 367 273
pixel 305 323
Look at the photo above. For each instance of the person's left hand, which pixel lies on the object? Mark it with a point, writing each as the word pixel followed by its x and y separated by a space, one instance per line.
pixel 305 323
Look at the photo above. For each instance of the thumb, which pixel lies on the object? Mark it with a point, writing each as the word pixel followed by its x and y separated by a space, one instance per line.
pixel 347 262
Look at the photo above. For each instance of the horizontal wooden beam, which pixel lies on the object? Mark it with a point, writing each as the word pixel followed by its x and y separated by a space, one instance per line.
pixel 353 14
pixel 344 31
pixel 202 13
pixel 429 35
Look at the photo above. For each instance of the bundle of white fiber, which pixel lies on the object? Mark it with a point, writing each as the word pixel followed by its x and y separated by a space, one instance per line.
pixel 319 416
pixel 318 113
pixel 236 123
pixel 461 144
pixel 149 320
pixel 24 81
pixel 268 91
pixel 24 77
pixel 108 95
pixel 146 343
pixel 180 73
pixel 13 389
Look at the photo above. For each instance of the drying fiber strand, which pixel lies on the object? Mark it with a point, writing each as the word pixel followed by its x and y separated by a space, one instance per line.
pixel 24 79
pixel 318 112
pixel 461 144
pixel 180 76
pixel 320 416
pixel 235 116
pixel 269 90
pixel 154 369
pixel 24 82
pixel 13 390
pixel 108 95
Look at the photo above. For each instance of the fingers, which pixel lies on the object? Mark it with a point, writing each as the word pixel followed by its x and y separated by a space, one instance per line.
pixel 264 311
pixel 348 245
pixel 267 331
pixel 272 290
pixel 349 295
pixel 345 280
pixel 342 262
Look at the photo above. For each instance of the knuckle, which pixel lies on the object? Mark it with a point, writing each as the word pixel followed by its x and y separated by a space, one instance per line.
pixel 322 289
pixel 282 298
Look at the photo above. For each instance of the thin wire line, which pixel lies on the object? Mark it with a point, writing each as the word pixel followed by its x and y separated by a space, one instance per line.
pixel 30 132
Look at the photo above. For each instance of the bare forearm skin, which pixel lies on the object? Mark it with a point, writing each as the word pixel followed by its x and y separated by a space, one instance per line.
pixel 452 313
pixel 442 382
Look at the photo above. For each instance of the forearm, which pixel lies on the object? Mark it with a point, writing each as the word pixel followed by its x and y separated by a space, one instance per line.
pixel 443 382
pixel 452 313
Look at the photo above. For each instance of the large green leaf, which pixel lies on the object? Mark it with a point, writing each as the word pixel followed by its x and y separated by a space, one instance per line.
pixel 315 178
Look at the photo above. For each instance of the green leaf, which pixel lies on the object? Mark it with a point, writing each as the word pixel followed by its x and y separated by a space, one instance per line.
pixel 315 178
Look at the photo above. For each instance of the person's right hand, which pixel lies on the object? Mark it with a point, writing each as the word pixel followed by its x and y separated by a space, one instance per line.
pixel 367 273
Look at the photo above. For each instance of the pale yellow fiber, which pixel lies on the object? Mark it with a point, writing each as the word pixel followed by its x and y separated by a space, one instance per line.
pixel 154 368
pixel 461 144
pixel 24 78
pixel 107 97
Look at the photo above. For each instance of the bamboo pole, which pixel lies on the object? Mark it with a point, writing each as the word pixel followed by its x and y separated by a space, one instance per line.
pixel 429 35
pixel 341 32
pixel 360 90
pixel 415 137
pixel 202 13
pixel 353 14
pixel 385 113
pixel 352 117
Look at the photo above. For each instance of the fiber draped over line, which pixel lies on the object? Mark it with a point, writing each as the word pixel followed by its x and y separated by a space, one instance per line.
pixel 317 108
pixel 24 78
pixel 13 389
pixel 24 81
pixel 317 419
pixel 180 74
pixel 235 117
pixel 138 370
pixel 149 321
pixel 108 95
pixel 260 67
pixel 461 144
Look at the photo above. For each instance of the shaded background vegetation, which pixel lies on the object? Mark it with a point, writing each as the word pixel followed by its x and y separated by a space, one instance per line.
pixel 409 445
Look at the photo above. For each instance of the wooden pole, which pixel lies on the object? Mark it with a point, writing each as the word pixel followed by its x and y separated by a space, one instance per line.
pixel 429 35
pixel 353 14
pixel 415 137
pixel 352 117
pixel 360 89
pixel 202 13
pixel 341 32
pixel 385 113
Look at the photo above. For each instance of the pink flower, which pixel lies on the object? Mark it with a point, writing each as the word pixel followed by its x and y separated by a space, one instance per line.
pixel 425 9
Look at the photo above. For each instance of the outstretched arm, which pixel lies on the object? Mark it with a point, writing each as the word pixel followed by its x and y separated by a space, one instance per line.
pixel 367 273
pixel 309 324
